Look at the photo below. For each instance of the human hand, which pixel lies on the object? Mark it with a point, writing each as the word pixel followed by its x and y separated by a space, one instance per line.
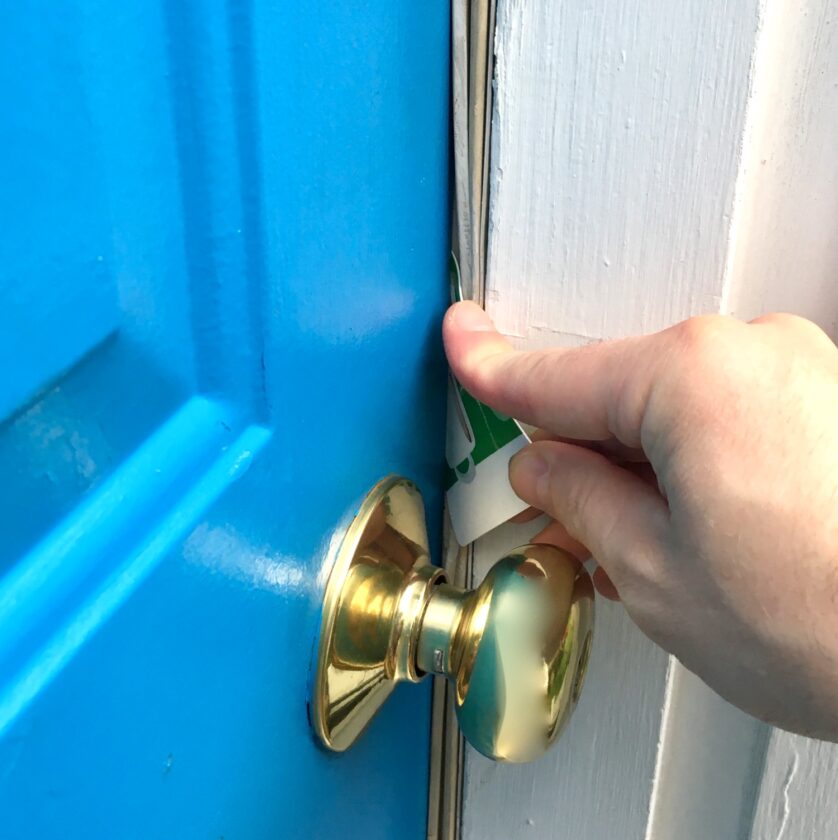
pixel 699 466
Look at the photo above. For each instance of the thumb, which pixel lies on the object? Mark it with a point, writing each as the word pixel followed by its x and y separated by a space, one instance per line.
pixel 619 517
pixel 589 393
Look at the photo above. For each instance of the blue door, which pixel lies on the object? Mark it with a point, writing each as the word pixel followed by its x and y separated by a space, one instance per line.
pixel 222 272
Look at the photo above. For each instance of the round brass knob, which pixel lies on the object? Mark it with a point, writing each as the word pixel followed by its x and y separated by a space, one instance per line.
pixel 515 648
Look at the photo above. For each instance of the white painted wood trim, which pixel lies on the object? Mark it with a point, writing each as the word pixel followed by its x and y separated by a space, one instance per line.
pixel 651 161
pixel 784 257
pixel 709 765
pixel 784 241
pixel 616 149
pixel 798 797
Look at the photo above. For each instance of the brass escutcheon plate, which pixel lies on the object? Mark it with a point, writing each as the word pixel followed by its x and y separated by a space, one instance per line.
pixel 381 571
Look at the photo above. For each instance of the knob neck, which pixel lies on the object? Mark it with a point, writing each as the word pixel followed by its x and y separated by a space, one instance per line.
pixel 437 647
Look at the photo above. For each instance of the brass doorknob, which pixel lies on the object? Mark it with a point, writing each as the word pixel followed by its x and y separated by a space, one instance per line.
pixel 515 648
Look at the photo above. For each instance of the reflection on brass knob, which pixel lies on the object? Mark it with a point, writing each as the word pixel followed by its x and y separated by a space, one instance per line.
pixel 515 648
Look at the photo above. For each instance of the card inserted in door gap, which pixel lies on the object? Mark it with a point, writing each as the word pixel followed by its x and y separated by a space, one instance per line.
pixel 479 445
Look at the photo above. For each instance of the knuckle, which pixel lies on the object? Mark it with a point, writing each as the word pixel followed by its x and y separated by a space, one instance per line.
pixel 706 364
pixel 575 505
pixel 778 318
pixel 478 375
pixel 701 339
pixel 483 375
pixel 531 382
pixel 657 384
pixel 633 383
pixel 540 366
pixel 641 570
pixel 784 320
pixel 794 326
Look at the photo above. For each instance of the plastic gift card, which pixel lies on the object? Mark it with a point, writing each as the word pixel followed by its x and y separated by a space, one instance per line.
pixel 479 445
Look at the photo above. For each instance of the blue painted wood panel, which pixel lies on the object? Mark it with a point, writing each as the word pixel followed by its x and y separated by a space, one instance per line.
pixel 56 286
pixel 222 277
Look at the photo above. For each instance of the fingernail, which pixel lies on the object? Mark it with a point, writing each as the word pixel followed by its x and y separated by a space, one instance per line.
pixel 529 475
pixel 470 317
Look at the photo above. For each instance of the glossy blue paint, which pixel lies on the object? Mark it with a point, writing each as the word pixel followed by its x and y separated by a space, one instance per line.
pixel 222 271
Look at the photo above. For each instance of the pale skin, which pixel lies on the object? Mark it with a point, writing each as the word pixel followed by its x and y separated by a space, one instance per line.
pixel 699 467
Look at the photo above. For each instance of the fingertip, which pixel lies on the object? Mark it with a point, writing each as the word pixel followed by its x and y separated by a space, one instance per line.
pixel 470 338
pixel 529 474
pixel 468 316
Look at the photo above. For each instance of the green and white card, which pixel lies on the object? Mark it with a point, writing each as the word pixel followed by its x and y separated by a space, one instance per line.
pixel 479 445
